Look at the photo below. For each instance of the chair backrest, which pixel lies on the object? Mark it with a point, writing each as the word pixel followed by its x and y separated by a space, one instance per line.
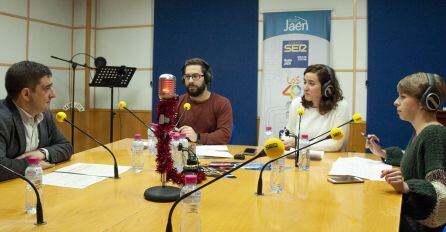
pixel 441 117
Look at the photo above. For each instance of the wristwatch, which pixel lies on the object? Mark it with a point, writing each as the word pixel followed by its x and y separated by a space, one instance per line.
pixel 198 138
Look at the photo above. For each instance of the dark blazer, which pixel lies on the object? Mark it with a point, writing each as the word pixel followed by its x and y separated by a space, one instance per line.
pixel 13 140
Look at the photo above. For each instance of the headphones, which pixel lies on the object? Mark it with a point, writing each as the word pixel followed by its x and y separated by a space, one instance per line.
pixel 431 99
pixel 207 69
pixel 327 87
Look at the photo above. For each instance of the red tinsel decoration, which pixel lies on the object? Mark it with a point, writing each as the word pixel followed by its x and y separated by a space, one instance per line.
pixel 167 117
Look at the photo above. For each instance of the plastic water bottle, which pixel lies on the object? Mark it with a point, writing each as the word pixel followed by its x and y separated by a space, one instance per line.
pixel 268 132
pixel 277 177
pixel 137 154
pixel 304 154
pixel 34 173
pixel 176 155
pixel 183 141
pixel 190 215
pixel 152 141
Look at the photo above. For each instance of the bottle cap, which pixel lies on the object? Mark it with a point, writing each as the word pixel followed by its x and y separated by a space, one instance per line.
pixel 137 136
pixel 269 128
pixel 176 136
pixel 33 160
pixel 153 124
pixel 304 136
pixel 190 179
pixel 182 135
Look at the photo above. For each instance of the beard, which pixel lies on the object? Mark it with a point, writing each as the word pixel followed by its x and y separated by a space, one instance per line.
pixel 194 90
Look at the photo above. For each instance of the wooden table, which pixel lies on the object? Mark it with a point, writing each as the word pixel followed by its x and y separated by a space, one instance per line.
pixel 309 202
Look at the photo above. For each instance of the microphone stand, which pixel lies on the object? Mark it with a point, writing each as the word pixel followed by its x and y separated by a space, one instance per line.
pixel 116 173
pixel 260 181
pixel 139 119
pixel 169 220
pixel 179 119
pixel 329 131
pixel 39 209
pixel 296 142
pixel 296 158
pixel 73 67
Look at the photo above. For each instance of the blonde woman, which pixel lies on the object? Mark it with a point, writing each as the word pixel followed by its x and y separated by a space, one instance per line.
pixel 422 176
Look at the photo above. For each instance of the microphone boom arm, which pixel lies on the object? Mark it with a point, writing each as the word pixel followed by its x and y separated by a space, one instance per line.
pixel 140 120
pixel 260 181
pixel 329 131
pixel 116 173
pixel 169 220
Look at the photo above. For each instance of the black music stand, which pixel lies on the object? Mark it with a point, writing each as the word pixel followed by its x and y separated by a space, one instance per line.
pixel 111 77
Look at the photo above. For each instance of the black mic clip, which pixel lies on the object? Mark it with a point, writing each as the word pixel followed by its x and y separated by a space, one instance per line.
pixel 192 163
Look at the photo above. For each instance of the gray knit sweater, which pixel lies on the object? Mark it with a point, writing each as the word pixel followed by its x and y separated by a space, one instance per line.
pixel 423 166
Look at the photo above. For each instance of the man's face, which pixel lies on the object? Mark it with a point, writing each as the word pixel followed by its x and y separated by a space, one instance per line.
pixel 194 80
pixel 39 99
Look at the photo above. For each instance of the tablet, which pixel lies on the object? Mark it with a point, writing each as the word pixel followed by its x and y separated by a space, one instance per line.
pixel 345 179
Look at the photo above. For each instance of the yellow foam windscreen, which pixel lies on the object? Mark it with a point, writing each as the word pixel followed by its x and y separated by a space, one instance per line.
pixel 60 116
pixel 122 105
pixel 336 133
pixel 274 148
pixel 357 118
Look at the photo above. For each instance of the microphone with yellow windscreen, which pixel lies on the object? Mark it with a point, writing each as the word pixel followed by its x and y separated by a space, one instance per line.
pixel 186 107
pixel 123 106
pixel 272 148
pixel 300 112
pixel 356 118
pixel 62 117
pixel 335 134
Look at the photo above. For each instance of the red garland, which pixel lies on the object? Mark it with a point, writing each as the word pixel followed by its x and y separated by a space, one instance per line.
pixel 166 108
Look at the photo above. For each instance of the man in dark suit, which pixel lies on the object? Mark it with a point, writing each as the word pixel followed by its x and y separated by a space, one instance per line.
pixel 27 127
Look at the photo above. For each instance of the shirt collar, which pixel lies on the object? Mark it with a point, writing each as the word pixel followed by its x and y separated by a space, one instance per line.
pixel 26 117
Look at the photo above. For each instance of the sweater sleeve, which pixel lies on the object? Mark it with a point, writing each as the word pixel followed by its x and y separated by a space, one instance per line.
pixel 222 135
pixel 426 200
pixel 340 116
pixel 394 155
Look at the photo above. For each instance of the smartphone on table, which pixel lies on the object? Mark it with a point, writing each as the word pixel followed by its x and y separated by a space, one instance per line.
pixel 345 179
pixel 249 151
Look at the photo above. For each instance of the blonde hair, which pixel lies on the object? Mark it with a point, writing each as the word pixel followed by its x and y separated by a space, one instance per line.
pixel 415 84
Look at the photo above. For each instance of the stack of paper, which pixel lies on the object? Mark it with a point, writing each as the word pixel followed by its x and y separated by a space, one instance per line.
pixel 81 175
pixel 213 151
pixel 360 167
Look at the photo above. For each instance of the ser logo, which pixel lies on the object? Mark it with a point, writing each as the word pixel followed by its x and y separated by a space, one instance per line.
pixel 295 47
pixel 296 24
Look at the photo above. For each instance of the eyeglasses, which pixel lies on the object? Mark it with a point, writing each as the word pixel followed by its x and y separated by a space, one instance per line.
pixel 194 77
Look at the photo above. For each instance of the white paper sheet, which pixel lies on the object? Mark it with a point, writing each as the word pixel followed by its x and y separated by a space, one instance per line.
pixel 360 167
pixel 70 180
pixel 219 151
pixel 102 170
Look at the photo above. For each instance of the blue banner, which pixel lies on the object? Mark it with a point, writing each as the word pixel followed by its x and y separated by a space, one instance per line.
pixel 315 23
pixel 292 41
